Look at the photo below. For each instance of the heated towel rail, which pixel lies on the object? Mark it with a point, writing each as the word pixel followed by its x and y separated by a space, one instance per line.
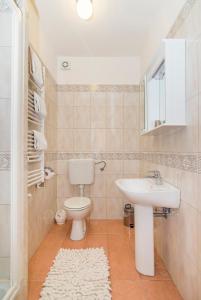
pixel 35 158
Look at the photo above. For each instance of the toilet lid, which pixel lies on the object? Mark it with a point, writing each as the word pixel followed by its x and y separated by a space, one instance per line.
pixel 77 202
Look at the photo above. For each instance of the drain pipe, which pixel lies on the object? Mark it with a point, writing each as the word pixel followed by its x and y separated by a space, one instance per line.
pixel 163 212
pixel 81 188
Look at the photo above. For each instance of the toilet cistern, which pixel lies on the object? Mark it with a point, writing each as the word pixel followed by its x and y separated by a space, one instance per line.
pixel 81 173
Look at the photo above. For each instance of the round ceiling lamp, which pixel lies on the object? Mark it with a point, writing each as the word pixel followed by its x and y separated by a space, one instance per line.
pixel 84 9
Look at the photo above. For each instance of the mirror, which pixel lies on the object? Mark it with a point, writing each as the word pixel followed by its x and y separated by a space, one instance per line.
pixel 153 99
pixel 155 88
pixel 162 91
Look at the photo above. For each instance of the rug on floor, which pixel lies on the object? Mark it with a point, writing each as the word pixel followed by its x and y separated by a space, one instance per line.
pixel 78 274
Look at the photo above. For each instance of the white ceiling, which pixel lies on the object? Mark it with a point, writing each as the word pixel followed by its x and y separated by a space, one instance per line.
pixel 118 27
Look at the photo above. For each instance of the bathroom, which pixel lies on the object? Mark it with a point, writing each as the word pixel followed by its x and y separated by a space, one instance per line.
pixel 100 100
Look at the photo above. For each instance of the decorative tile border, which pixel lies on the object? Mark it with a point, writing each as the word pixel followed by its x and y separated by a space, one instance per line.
pixel 99 156
pixel 98 88
pixel 50 156
pixel 182 17
pixel 4 161
pixel 199 163
pixel 183 161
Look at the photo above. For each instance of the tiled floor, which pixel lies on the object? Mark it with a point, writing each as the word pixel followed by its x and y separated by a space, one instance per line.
pixel 118 242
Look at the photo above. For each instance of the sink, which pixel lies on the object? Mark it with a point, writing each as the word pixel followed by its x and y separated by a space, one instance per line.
pixel 145 194
pixel 144 191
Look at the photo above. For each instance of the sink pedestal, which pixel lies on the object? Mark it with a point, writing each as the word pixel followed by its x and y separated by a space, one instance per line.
pixel 144 239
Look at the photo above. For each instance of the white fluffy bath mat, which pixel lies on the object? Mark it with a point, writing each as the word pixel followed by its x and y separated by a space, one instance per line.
pixel 78 274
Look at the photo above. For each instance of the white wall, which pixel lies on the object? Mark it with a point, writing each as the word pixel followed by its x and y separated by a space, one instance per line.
pixel 39 40
pixel 99 70
pixel 160 28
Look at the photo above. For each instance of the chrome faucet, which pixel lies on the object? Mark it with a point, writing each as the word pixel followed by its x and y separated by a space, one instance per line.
pixel 155 174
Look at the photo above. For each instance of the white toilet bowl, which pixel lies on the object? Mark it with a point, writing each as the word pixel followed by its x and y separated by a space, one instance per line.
pixel 77 208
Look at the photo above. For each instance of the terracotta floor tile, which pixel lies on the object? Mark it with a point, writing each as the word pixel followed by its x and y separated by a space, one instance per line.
pixel 128 290
pixel 34 290
pixel 67 243
pixel 97 226
pixel 58 232
pixel 97 240
pixel 118 242
pixel 161 290
pixel 121 259
pixel 41 262
pixel 119 245
pixel 123 269
pixel 39 271
pixel 160 270
pixel 116 227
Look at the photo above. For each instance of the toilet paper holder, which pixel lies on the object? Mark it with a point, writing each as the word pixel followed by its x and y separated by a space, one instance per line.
pixel 49 173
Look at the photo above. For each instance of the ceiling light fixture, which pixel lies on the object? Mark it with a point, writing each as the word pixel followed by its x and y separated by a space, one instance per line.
pixel 84 9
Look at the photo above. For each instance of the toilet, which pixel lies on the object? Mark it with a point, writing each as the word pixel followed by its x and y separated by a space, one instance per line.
pixel 81 173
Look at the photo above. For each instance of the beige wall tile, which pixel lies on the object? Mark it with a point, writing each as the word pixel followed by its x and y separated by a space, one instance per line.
pixel 66 99
pixel 99 210
pixel 60 203
pixel 130 99
pixel 83 117
pixel 114 99
pixel 97 189
pixel 188 224
pixel 98 99
pixel 98 116
pixel 199 65
pixel 66 117
pixel 114 208
pixel 192 68
pixel 114 167
pixel 98 140
pixel 199 242
pixel 111 188
pixel 62 167
pixel 187 280
pixel 65 140
pixel 98 122
pixel 189 188
pixel 131 167
pixel 43 203
pixel 114 140
pixel 114 116
pixel 130 140
pixel 64 188
pixel 131 117
pixel 83 99
pixel 82 140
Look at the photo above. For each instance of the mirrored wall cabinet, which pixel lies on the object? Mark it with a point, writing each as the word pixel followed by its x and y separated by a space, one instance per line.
pixel 162 91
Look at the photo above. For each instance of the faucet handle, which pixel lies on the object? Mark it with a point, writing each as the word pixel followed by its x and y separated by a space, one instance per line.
pixel 156 173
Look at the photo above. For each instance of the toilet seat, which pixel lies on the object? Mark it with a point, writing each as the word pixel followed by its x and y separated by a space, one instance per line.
pixel 77 203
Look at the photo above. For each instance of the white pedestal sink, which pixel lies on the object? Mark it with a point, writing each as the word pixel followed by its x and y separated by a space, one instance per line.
pixel 145 195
